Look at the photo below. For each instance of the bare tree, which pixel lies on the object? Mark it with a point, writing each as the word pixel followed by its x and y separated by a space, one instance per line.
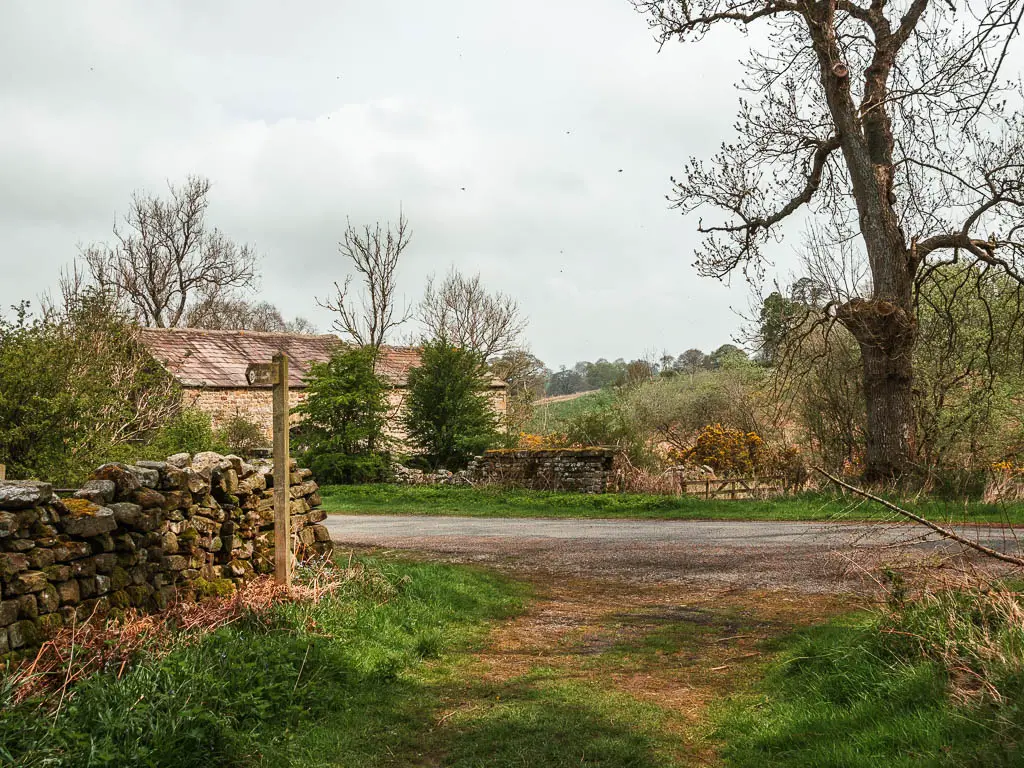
pixel 374 253
pixel 461 310
pixel 888 122
pixel 166 258
pixel 241 315
pixel 525 375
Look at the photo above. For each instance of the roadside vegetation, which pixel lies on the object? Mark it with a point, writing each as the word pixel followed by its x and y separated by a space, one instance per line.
pixel 936 681
pixel 385 499
pixel 340 681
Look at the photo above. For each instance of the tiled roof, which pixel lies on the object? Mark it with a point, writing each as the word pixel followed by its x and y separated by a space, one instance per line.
pixel 202 358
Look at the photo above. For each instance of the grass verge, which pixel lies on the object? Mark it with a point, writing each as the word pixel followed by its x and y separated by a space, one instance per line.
pixel 378 674
pixel 329 683
pixel 494 502
pixel 937 683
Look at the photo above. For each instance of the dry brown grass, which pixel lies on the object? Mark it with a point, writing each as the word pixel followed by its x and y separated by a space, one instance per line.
pixel 111 643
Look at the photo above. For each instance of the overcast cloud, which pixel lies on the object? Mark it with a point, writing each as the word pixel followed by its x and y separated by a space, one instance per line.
pixel 530 141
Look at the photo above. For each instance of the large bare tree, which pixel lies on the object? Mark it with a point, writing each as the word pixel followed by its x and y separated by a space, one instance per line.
pixel 374 253
pixel 233 314
pixel 165 258
pixel 889 123
pixel 462 311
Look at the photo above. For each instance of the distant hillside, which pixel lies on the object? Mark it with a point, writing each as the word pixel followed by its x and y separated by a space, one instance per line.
pixel 551 413
pixel 563 398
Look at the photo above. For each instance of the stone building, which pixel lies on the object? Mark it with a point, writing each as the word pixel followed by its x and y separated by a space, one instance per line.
pixel 214 370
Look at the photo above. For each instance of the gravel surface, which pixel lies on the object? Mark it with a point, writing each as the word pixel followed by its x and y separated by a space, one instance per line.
pixel 809 557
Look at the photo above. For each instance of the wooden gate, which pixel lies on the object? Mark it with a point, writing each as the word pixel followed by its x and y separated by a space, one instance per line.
pixel 733 487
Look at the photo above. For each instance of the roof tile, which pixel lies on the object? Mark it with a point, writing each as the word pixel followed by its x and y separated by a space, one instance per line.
pixel 202 358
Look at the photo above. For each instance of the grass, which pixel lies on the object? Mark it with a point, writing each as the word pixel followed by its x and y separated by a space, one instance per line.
pixel 870 690
pixel 383 674
pixel 551 418
pixel 336 683
pixel 493 502
pixel 379 675
pixel 541 719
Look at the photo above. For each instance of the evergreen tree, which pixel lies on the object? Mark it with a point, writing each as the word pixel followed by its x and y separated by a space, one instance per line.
pixel 342 432
pixel 449 415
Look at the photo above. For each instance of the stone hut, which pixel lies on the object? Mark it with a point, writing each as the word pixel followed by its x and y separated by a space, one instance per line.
pixel 215 370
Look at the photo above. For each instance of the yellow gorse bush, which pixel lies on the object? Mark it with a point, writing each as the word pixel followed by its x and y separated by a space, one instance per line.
pixel 726 450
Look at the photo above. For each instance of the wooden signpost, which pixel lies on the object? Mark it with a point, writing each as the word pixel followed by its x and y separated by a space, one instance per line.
pixel 282 473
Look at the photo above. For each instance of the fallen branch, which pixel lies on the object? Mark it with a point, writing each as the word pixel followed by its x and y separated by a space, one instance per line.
pixel 927 523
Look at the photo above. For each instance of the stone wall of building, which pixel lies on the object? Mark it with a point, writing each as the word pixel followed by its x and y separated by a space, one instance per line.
pixel 584 470
pixel 255 404
pixel 140 536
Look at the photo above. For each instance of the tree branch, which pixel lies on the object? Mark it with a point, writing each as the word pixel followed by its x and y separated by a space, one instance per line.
pixel 946 532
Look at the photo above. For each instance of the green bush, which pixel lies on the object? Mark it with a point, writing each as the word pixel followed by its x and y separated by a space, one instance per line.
pixel 342 435
pixel 347 469
pixel 191 431
pixel 77 388
pixel 448 412
pixel 241 436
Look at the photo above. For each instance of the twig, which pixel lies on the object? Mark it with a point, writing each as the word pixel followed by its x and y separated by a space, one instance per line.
pixel 456 711
pixel 67 677
pixel 302 666
pixel 927 523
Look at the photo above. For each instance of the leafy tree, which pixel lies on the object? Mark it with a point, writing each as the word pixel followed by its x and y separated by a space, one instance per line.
pixel 969 364
pixel 727 356
pixel 637 372
pixel 342 431
pixel 691 361
pixel 448 411
pixel 566 382
pixel 777 316
pixel 602 373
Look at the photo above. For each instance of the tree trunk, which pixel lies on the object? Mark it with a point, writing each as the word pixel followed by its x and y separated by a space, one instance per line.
pixel 886 335
pixel 888 380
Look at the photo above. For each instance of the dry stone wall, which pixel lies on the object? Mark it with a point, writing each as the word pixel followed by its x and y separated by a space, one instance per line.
pixel 584 470
pixel 141 536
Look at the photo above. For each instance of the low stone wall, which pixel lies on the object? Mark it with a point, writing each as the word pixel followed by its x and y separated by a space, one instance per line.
pixel 584 470
pixel 141 535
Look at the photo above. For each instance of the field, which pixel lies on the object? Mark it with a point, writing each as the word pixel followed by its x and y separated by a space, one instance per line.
pixel 483 502
pixel 550 417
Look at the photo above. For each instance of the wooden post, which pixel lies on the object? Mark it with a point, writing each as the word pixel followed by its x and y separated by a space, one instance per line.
pixel 282 473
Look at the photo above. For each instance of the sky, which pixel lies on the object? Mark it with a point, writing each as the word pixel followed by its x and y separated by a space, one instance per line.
pixel 531 142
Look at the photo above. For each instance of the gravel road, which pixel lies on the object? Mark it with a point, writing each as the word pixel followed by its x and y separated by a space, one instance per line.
pixel 812 557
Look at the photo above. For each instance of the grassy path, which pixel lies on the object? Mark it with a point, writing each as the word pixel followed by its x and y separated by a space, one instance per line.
pixel 473 502
pixel 600 673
